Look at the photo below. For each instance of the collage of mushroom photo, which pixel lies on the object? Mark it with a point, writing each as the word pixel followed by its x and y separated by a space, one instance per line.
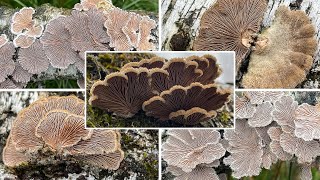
pixel 160 89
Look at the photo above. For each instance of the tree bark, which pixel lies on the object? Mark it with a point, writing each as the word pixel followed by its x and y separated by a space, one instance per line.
pixel 181 20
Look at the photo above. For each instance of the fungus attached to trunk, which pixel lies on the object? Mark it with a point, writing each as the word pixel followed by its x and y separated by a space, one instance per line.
pixel 283 54
pixel 229 25
pixel 22 20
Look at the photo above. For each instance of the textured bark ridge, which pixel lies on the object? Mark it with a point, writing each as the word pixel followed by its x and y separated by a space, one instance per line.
pixel 181 22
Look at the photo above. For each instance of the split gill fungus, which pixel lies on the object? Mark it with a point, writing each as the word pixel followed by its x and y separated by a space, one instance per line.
pixel 181 90
pixel 54 126
pixel 95 25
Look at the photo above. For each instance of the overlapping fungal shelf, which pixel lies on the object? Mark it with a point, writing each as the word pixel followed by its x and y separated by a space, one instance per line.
pixel 270 127
pixel 180 90
pixel 35 46
pixel 54 127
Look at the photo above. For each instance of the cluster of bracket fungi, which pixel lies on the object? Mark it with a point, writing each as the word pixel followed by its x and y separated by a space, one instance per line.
pixel 270 126
pixel 282 55
pixel 54 127
pixel 92 25
pixel 180 90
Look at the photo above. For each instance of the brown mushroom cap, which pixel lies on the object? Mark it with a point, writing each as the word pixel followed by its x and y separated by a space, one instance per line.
pixel 122 92
pixel 3 40
pixel 56 42
pixel 192 116
pixel 11 157
pixel 154 62
pixel 284 53
pixel 21 75
pixel 60 129
pixel 34 59
pixel 7 64
pixel 22 20
pixel 228 25
pixel 207 97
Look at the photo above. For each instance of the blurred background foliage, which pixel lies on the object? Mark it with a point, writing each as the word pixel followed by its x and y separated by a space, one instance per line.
pixel 147 5
pixel 58 83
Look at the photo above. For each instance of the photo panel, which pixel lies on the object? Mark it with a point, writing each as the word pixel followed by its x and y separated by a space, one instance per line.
pixel 160 89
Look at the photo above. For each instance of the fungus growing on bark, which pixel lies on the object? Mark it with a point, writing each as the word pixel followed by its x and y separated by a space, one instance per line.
pixel 22 20
pixel 170 103
pixel 58 123
pixel 122 92
pixel 131 29
pixel 243 107
pixel 21 75
pixel 245 147
pixel 283 54
pixel 275 146
pixel 307 122
pixel 34 59
pixel 261 116
pixel 3 40
pixel 229 25
pixel 145 27
pixel 188 148
pixel 23 41
pixel 56 42
pixel 7 64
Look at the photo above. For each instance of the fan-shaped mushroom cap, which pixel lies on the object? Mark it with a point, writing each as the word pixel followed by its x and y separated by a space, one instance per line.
pixel 8 84
pixel 7 64
pixel 207 97
pixel 22 20
pixel 56 42
pixel 122 92
pixel 307 122
pixel 155 62
pixel 96 21
pixel 177 71
pixel 245 147
pixel 34 59
pixel 21 75
pixel 35 31
pixel 131 29
pixel 3 40
pixel 274 134
pixel 11 157
pixel 243 107
pixel 100 142
pixel 262 116
pixel 145 27
pixel 200 172
pixel 273 96
pixel 209 66
pixel 60 129
pixel 192 116
pixel 94 4
pixel 229 25
pixel 114 29
pixel 285 57
pixel 23 41
pixel 71 104
pixel 255 97
pixel 107 161
pixel 284 112
pixel 305 151
pixel 188 148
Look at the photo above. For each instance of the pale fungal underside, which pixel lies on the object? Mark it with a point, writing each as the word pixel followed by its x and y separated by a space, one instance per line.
pixel 230 25
pixel 56 124
pixel 181 90
pixel 284 52
pixel 64 39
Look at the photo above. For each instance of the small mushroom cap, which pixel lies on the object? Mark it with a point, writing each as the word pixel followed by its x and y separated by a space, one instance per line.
pixel 285 58
pixel 200 172
pixel 245 147
pixel 21 75
pixel 107 161
pixel 34 59
pixel 56 42
pixel 275 146
pixel 3 40
pixel 262 116
pixel 273 96
pixel 188 148
pixel 145 27
pixel 11 157
pixel 70 103
pixel 100 142
pixel 23 41
pixel 7 64
pixel 131 29
pixel 307 122
pixel 8 84
pixel 221 27
pixel 22 20
pixel 96 21
pixel 192 116
pixel 122 92
pixel 153 63
pixel 255 97
pixel 35 31
pixel 116 20
pixel 60 129
pixel 244 108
